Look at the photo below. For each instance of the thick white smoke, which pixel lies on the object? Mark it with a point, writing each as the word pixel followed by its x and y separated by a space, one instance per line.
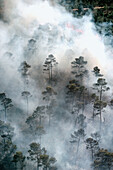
pixel 55 31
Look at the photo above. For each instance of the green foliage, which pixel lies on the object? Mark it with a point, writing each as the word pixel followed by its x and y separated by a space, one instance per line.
pixel 103 160
pixel 78 68
pixel 7 148
pixel 6 103
pixel 92 145
pixel 19 159
pixel 49 64
pixel 39 155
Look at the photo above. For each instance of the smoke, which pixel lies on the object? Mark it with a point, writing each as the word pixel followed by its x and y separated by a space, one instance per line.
pixel 30 31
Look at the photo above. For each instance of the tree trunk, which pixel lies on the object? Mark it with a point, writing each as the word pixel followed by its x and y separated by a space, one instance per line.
pixel 40 139
pixel 83 108
pixel 5 118
pixel 40 121
pixel 27 104
pixel 51 73
pixel 100 106
pixel 78 146
pixel 4 144
pixel 49 119
pixel 93 113
pixel 92 154
pixel 15 165
pixel 37 164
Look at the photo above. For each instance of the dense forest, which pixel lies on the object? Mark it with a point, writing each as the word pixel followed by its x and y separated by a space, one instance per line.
pixel 56 94
pixel 102 10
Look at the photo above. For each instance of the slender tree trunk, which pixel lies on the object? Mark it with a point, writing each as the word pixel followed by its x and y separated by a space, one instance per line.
pixel 93 113
pixel 51 72
pixel 37 167
pixel 21 168
pixel 9 166
pixel 78 146
pixel 40 120
pixel 37 164
pixel 15 165
pixel 24 83
pixel 92 154
pixel 100 106
pixel 27 100
pixel 49 119
pixel 83 103
pixel 5 118
pixel 49 113
pixel 40 125
pixel 40 140
pixel 4 144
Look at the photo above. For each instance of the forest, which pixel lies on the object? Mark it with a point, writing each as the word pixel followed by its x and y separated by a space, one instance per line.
pixel 56 89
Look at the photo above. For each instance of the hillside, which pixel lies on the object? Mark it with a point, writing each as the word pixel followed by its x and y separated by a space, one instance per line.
pixel 102 10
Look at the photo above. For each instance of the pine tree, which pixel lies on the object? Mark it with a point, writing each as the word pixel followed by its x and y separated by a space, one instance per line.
pixel 101 87
pixel 49 64
pixel 19 160
pixel 103 160
pixel 92 145
pixel 26 95
pixel 6 103
pixel 77 137
pixel 78 69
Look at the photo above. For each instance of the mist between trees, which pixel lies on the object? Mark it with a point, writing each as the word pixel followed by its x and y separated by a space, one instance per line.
pixel 56 90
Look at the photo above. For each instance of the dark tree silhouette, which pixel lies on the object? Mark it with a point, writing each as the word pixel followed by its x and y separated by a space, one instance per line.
pixel 101 87
pixel 26 95
pixel 24 69
pixel 19 160
pixel 49 64
pixel 96 72
pixel 96 136
pixel 78 69
pixel 39 155
pixel 77 136
pixel 92 145
pixel 103 160
pixel 7 148
pixel 6 103
pixel 49 96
